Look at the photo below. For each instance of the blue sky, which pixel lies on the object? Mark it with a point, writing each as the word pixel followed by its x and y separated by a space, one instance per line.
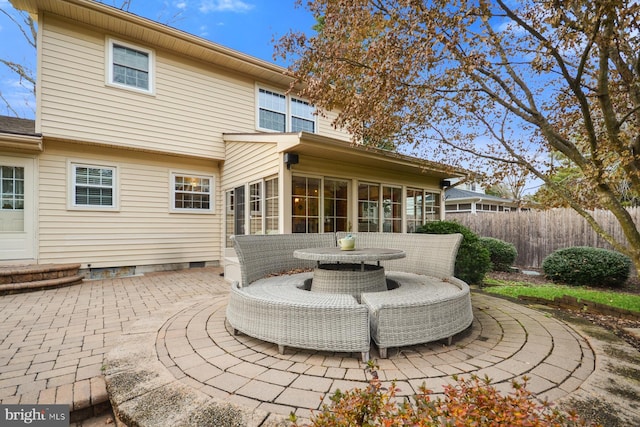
pixel 248 26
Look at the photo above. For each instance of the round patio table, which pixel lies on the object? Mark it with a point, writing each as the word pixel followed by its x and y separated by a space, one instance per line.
pixel 342 271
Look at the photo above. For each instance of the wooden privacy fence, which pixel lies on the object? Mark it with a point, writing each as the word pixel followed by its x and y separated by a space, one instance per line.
pixel 536 234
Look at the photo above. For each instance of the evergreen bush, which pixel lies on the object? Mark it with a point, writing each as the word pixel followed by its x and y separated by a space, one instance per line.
pixel 503 254
pixel 473 260
pixel 586 266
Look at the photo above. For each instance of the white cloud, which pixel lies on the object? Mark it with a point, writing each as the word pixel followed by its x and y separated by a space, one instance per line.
pixel 181 5
pixel 207 6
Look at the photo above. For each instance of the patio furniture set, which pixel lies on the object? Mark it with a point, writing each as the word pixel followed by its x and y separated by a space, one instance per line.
pixel 302 291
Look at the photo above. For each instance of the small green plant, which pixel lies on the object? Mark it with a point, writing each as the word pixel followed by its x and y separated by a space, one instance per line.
pixel 586 266
pixel 502 254
pixel 468 402
pixel 473 260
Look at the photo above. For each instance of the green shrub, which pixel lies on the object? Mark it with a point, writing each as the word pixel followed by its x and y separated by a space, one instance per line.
pixel 472 261
pixel 470 402
pixel 582 266
pixel 503 254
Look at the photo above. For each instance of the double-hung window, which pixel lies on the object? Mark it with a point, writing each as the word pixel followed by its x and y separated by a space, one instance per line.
pixel 302 116
pixel 130 66
pixel 272 109
pixel 192 193
pixel 93 186
pixel 280 113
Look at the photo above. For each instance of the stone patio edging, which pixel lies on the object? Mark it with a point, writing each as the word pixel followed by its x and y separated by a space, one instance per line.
pixel 144 393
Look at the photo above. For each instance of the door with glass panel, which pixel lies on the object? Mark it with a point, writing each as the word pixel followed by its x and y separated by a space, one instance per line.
pixel 16 208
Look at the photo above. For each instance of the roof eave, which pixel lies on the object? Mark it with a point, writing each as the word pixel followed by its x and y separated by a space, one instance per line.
pixel 157 35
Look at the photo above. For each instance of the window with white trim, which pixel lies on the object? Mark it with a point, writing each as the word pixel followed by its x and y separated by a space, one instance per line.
pixel 11 188
pixel 272 110
pixel 302 116
pixel 130 66
pixel 93 186
pixel 305 206
pixel 280 113
pixel 392 209
pixel 192 193
pixel 421 206
pixel 260 211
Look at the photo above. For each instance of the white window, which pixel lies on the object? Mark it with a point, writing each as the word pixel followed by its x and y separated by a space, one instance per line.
pixel 272 109
pixel 421 206
pixel 130 66
pixel 192 193
pixel 93 186
pixel 280 113
pixel 11 188
pixel 302 116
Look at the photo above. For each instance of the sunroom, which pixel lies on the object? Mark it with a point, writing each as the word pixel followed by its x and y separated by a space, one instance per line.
pixel 307 183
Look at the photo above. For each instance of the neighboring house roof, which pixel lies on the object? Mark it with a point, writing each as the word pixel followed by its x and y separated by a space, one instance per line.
pixel 17 126
pixel 458 195
pixel 19 134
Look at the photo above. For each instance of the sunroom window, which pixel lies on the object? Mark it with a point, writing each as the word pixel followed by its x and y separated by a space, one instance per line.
pixel 421 206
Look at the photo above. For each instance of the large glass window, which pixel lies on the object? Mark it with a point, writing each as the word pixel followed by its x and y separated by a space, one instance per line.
pixel 305 205
pixel 130 66
pixel 392 209
pixel 229 216
pixel 255 213
pixel 271 206
pixel 255 204
pixel 192 193
pixel 239 210
pixel 421 206
pixel 335 205
pixel 368 207
pixel 93 186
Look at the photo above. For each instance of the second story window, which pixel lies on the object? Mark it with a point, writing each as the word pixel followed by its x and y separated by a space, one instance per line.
pixel 272 110
pixel 130 66
pixel 302 117
pixel 280 113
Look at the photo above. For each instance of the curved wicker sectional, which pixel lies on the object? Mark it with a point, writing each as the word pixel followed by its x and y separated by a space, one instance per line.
pixel 429 304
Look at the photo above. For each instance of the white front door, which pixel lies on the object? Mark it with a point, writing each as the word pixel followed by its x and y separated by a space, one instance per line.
pixel 17 237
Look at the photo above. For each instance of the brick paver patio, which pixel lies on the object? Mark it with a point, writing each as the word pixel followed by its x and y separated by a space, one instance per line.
pixel 54 345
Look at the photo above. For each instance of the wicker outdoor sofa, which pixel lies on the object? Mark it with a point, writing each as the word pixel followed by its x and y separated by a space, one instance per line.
pixel 273 302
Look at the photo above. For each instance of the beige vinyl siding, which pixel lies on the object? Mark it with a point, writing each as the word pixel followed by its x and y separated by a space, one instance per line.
pixel 192 106
pixel 142 231
pixel 248 161
pixel 326 129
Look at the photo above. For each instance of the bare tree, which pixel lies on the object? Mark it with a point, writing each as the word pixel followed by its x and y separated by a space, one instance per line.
pixel 24 73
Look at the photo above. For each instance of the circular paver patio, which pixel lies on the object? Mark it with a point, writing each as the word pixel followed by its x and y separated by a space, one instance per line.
pixel 505 342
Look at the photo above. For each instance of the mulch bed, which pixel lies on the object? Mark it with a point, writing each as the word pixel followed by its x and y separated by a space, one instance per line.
pixel 615 324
